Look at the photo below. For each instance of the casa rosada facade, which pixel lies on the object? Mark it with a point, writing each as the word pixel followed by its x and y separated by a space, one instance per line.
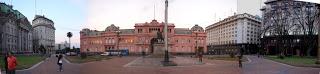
pixel 181 40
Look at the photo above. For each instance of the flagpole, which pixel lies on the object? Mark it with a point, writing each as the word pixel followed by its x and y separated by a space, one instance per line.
pixel 166 58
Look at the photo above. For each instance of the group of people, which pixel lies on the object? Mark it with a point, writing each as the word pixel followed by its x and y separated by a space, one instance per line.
pixel 10 63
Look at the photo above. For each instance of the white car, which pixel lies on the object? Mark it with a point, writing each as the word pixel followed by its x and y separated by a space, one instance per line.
pixel 105 54
pixel 71 53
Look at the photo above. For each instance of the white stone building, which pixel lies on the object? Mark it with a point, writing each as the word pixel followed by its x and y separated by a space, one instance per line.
pixel 226 35
pixel 43 32
pixel 15 31
pixel 61 45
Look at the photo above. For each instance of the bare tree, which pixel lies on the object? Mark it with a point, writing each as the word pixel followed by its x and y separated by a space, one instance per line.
pixel 304 14
pixel 288 18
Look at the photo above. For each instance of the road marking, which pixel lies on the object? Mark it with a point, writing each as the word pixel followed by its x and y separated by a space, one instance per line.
pixel 249 60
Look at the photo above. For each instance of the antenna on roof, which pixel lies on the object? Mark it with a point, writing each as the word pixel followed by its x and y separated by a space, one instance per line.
pixel 41 12
pixel 35 7
pixel 215 17
pixel 11 2
pixel 154 10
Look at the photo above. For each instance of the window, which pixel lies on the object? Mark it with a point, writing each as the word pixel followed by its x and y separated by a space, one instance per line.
pixel 139 30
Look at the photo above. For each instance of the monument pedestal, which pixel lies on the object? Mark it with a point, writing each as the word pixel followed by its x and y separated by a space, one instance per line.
pixel 158 51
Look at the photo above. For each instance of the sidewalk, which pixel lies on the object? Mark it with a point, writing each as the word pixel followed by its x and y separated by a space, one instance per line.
pixel 49 66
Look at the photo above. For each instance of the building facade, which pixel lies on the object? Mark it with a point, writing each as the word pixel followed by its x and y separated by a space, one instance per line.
pixel 181 40
pixel 15 31
pixel 226 36
pixel 62 45
pixel 289 27
pixel 43 33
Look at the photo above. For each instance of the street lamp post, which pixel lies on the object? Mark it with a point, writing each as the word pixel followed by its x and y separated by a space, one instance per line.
pixel 166 55
pixel 198 52
pixel 196 43
pixel 118 39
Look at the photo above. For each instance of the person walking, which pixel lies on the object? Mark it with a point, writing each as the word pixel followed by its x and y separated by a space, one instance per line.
pixel 60 62
pixel 200 56
pixel 5 62
pixel 12 63
pixel 143 54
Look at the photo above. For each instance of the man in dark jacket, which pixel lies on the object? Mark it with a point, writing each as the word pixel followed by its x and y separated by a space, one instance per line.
pixel 59 62
pixel 5 62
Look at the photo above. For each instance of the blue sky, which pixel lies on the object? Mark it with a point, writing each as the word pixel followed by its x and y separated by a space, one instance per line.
pixel 68 15
pixel 74 15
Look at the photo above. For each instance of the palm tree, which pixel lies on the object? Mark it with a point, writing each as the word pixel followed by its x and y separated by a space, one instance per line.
pixel 69 35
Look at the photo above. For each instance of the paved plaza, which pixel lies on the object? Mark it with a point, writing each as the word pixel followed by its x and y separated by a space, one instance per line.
pixel 157 62
pixel 119 66
pixel 186 65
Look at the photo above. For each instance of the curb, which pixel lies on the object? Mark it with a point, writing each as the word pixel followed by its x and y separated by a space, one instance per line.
pixel 69 61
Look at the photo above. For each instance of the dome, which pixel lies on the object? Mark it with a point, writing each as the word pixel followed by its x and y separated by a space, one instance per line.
pixel 112 28
pixel 197 28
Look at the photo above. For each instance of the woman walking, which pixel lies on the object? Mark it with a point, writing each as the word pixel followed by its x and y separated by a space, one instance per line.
pixel 60 62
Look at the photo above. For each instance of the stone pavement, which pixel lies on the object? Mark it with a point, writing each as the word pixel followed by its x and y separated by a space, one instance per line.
pixel 117 66
pixel 156 62
pixel 264 66
pixel 49 66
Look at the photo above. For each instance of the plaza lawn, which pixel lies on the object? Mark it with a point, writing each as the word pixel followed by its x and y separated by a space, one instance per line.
pixel 24 62
pixel 78 59
pixel 224 57
pixel 296 60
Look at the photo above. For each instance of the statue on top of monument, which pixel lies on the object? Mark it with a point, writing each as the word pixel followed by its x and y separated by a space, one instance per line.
pixel 159 35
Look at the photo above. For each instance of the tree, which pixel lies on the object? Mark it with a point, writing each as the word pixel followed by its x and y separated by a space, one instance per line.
pixel 42 49
pixel 69 35
pixel 67 49
pixel 305 14
pixel 290 18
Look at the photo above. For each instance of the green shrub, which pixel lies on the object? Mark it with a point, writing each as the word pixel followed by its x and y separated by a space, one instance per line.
pixel 83 55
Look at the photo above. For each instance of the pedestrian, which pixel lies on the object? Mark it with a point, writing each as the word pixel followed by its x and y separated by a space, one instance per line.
pixel 5 62
pixel 60 62
pixel 240 61
pixel 12 63
pixel 200 56
pixel 143 54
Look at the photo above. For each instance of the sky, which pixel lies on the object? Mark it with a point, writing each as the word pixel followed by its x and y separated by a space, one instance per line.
pixel 74 15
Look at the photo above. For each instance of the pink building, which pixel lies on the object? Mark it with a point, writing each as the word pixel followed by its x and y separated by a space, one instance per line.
pixel 181 40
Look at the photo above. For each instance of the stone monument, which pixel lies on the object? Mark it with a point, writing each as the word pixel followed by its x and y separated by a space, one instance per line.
pixel 157 46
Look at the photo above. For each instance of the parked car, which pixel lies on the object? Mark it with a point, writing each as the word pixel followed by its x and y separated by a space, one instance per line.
pixel 71 54
pixel 105 54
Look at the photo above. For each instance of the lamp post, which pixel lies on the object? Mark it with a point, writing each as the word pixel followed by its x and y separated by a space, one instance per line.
pixel 196 43
pixel 166 54
pixel 198 52
pixel 118 39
